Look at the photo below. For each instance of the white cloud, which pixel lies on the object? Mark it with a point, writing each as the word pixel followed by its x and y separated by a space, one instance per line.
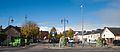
pixel 114 4
pixel 108 17
pixel 44 28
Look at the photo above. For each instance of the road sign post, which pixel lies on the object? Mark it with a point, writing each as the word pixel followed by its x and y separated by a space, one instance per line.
pixel 53 34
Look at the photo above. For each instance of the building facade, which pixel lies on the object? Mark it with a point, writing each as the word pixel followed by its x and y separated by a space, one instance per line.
pixel 110 34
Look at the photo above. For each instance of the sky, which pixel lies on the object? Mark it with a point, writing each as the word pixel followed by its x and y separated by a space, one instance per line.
pixel 49 13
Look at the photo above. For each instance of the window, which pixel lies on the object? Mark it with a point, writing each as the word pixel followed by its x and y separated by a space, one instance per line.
pixel 88 36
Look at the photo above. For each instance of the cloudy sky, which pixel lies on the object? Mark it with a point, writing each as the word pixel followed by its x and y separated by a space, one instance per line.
pixel 48 13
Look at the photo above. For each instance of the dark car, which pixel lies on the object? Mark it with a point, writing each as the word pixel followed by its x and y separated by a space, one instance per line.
pixel 116 42
pixel 53 41
pixel 57 40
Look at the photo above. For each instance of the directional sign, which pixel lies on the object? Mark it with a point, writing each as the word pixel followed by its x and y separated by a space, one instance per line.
pixel 53 33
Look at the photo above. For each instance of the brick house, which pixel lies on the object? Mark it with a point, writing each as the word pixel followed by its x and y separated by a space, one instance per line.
pixel 44 34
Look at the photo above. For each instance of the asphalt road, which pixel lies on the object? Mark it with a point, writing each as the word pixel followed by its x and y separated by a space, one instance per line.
pixel 43 47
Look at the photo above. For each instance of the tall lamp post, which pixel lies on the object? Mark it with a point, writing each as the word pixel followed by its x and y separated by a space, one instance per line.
pixel 82 21
pixel 8 37
pixel 64 21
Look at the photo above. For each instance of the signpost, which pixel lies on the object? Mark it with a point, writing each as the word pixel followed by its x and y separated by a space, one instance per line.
pixel 53 34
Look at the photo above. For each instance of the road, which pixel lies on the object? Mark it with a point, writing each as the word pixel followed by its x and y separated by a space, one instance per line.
pixel 42 47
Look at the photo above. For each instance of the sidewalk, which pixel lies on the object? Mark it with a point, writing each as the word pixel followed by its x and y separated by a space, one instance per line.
pixel 85 47
pixel 17 48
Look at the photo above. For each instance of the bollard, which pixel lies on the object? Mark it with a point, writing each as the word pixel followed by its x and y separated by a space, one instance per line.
pixel 71 45
pixel 82 45
pixel 7 43
pixel 91 43
pixel 11 45
pixel 107 44
pixel 54 44
pixel 60 45
pixel 1 44
pixel 101 45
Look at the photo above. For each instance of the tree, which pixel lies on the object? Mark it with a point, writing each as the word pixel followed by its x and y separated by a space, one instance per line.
pixel 99 41
pixel 65 34
pixel 2 36
pixel 50 35
pixel 30 29
pixel 70 33
pixel 59 35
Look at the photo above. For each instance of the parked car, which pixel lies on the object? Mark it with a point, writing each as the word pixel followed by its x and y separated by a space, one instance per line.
pixel 116 42
pixel 71 40
pixel 77 41
pixel 53 40
pixel 57 40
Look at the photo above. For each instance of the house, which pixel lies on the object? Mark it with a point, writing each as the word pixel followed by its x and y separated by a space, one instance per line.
pixel 2 35
pixel 12 32
pixel 110 34
pixel 91 36
pixel 44 34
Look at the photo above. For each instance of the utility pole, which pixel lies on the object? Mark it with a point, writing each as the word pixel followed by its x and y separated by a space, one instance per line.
pixel 82 22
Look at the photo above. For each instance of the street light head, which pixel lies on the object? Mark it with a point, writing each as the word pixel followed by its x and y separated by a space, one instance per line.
pixel 67 21
pixel 81 6
pixel 12 20
pixel 61 21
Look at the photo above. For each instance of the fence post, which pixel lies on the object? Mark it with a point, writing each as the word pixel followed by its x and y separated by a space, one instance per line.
pixel 91 43
pixel 71 45
pixel 7 43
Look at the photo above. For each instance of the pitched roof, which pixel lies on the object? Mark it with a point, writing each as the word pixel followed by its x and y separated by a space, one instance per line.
pixel 115 31
pixel 10 26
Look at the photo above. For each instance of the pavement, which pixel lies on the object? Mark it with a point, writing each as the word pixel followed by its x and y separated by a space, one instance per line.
pixel 18 48
pixel 45 47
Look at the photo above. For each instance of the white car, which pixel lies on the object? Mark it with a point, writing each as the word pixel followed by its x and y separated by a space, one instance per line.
pixel 71 40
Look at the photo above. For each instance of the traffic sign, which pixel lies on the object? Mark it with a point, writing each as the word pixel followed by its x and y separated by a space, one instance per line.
pixel 53 33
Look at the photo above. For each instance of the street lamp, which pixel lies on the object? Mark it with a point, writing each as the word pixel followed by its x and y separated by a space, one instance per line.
pixel 82 21
pixel 64 21
pixel 8 37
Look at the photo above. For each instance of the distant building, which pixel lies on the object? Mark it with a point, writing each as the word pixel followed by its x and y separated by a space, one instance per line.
pixel 110 34
pixel 44 34
pixel 91 36
pixel 0 27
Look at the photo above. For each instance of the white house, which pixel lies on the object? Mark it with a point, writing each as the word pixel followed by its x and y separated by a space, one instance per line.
pixel 91 36
pixel 110 34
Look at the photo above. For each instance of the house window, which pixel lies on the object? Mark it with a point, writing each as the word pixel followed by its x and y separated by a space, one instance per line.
pixel 104 36
pixel 88 36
